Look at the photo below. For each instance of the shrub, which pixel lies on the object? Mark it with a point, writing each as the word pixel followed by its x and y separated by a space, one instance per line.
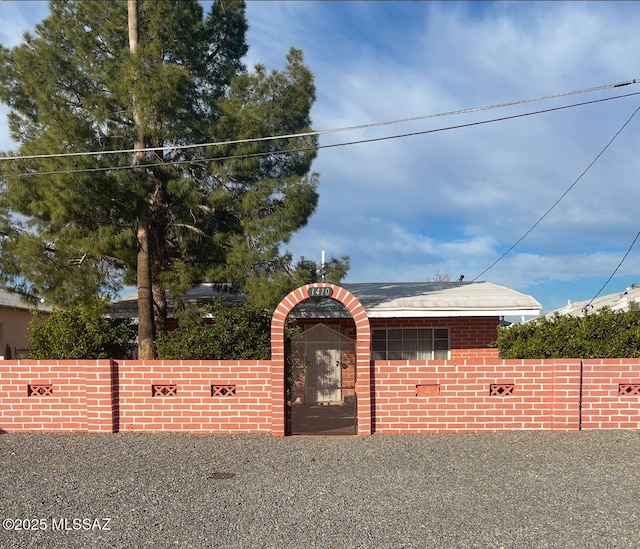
pixel 605 334
pixel 240 332
pixel 80 332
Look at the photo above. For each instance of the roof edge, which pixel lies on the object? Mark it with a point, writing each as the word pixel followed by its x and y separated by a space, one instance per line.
pixel 440 313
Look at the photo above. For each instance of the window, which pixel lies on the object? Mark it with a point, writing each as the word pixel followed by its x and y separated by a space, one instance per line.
pixel 410 344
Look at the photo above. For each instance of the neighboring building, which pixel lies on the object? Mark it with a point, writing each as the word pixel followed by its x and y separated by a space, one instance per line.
pixel 619 301
pixel 15 316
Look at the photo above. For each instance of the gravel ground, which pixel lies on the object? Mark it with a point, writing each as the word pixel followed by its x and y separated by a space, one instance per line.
pixel 509 490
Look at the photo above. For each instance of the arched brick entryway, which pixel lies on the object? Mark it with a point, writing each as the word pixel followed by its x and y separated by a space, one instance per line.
pixel 363 353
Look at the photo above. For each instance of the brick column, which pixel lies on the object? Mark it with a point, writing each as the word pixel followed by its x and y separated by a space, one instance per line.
pixel 102 395
pixel 566 395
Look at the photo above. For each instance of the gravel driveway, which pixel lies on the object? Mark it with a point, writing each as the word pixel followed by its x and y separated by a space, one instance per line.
pixel 129 490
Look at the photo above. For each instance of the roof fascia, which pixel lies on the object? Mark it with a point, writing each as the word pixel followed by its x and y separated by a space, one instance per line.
pixel 421 313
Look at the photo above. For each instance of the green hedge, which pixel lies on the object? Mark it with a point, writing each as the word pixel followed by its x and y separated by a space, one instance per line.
pixel 241 332
pixel 605 334
pixel 80 333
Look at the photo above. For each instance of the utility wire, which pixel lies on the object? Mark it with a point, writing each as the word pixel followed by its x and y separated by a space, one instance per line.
pixel 561 197
pixel 324 132
pixel 334 145
pixel 614 272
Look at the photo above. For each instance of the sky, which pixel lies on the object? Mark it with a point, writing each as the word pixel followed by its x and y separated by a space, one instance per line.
pixel 455 200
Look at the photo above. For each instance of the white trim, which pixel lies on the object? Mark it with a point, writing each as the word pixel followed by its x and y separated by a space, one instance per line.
pixel 440 313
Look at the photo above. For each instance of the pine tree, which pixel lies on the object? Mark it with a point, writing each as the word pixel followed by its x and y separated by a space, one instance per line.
pixel 145 74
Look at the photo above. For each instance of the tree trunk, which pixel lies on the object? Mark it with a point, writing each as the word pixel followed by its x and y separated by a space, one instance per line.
pixel 145 296
pixel 158 209
pixel 159 309
pixel 143 270
pixel 159 222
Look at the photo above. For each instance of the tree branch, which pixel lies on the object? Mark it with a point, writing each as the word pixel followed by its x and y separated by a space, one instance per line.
pixel 190 227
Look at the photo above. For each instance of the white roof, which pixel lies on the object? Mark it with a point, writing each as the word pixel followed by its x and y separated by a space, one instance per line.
pixel 619 301
pixel 428 299
pixel 431 299
pixel 384 300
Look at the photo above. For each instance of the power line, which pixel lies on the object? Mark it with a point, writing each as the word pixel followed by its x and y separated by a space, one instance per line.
pixel 614 271
pixel 334 145
pixel 561 197
pixel 333 130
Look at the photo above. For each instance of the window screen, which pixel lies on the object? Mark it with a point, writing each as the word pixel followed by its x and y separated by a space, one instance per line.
pixel 410 344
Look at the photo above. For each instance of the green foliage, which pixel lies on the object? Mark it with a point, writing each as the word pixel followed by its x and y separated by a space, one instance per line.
pixel 74 86
pixel 295 368
pixel 308 271
pixel 606 334
pixel 268 291
pixel 80 332
pixel 240 332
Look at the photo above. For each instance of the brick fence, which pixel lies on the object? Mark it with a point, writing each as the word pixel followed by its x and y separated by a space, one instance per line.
pixel 106 396
pixel 238 396
pixel 495 395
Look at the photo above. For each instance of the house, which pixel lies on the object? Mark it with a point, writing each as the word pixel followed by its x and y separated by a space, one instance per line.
pixel 345 329
pixel 619 301
pixel 201 295
pixel 353 335
pixel 15 315
pixel 455 319
pixel 425 320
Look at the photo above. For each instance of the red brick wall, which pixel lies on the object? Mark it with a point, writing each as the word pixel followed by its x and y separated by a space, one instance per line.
pixel 548 394
pixel 107 396
pixel 193 408
pixel 65 409
pixel 408 396
pixel 448 396
pixel 602 406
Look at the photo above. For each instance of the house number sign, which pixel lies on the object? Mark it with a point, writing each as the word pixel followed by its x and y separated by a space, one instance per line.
pixel 320 292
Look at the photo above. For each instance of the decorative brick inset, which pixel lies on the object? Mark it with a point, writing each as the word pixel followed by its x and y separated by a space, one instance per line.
pixel 628 389
pixel 428 390
pixel 223 390
pixel 164 390
pixel 40 390
pixel 501 389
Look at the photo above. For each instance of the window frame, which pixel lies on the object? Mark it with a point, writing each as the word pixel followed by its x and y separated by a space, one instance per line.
pixel 397 346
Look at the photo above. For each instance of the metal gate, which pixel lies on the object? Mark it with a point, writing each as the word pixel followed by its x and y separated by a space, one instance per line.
pixel 321 397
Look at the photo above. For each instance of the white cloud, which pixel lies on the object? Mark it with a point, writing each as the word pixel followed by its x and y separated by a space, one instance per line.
pixel 454 201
